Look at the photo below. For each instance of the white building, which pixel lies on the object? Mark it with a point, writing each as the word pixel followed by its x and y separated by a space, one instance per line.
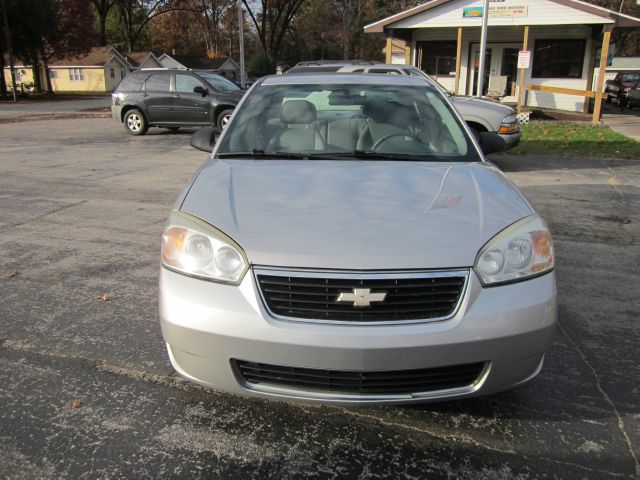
pixel 565 39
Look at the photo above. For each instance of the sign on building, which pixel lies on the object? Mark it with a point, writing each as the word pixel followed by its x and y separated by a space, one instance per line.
pixel 496 11
pixel 524 59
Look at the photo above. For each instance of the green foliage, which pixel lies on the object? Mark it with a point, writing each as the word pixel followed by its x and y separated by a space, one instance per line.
pixel 259 65
pixel 570 139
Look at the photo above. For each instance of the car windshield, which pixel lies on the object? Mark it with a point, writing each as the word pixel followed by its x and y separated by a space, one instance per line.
pixel 405 122
pixel 219 83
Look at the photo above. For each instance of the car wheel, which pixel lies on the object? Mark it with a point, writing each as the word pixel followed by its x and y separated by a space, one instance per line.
pixel 223 118
pixel 135 123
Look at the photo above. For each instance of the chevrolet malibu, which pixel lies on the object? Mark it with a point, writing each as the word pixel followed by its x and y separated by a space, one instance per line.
pixel 348 242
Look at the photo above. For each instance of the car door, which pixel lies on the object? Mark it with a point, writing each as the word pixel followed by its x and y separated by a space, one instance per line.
pixel 191 108
pixel 157 98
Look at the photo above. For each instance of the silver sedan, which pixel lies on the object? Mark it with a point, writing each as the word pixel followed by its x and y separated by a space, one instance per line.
pixel 347 242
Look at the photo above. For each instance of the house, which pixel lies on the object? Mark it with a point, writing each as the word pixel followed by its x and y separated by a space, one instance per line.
pixel 98 71
pixel 222 65
pixel 543 52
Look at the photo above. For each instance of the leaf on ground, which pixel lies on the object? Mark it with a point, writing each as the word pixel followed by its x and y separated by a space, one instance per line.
pixel 13 274
pixel 75 404
pixel 104 298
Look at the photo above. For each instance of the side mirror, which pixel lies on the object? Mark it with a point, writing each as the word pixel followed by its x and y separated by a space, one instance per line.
pixel 204 139
pixel 201 90
pixel 491 142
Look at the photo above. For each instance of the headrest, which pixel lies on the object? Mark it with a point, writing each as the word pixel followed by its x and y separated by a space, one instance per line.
pixel 389 111
pixel 377 110
pixel 298 111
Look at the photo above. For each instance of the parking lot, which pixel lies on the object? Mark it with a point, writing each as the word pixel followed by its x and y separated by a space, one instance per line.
pixel 87 390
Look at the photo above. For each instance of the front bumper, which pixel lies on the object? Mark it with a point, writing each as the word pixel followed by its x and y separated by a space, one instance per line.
pixel 116 112
pixel 206 325
pixel 510 139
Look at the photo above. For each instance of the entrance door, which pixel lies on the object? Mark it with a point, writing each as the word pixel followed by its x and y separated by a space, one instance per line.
pixel 501 61
pixel 475 61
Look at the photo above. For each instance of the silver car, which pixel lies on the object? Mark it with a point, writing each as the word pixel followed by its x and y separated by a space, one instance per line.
pixel 347 242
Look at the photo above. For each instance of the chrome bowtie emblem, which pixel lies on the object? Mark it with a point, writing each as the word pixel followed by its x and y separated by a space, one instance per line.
pixel 361 297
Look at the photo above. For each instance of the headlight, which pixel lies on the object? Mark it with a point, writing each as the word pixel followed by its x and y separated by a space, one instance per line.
pixel 194 247
pixel 509 124
pixel 518 252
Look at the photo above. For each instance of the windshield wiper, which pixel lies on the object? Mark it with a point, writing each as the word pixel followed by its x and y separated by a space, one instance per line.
pixel 372 155
pixel 258 153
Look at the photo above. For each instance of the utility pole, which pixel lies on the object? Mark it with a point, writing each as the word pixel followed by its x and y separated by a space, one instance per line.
pixel 243 80
pixel 7 39
pixel 483 47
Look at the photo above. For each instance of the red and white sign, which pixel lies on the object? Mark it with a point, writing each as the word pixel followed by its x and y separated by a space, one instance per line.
pixel 524 59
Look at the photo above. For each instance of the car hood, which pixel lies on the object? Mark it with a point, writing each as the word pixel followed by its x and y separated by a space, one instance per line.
pixel 482 103
pixel 359 215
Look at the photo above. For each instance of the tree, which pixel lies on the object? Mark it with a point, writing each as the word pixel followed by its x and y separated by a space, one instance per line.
pixel 627 41
pixel 351 17
pixel 272 21
pixel 67 30
pixel 136 14
pixel 210 15
pixel 102 7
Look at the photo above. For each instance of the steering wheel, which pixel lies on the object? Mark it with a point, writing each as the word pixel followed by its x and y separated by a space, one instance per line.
pixel 380 141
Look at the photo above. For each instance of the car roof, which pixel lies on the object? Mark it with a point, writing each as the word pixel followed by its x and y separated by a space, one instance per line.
pixel 335 62
pixel 346 78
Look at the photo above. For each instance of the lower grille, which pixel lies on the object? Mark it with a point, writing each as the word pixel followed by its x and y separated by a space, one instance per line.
pixel 354 382
pixel 405 296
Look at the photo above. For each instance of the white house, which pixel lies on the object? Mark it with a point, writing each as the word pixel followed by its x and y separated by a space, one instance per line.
pixel 565 40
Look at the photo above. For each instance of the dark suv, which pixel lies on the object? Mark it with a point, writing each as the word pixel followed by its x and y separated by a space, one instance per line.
pixel 172 99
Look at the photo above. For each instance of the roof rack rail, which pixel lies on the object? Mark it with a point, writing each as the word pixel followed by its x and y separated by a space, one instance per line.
pixel 309 63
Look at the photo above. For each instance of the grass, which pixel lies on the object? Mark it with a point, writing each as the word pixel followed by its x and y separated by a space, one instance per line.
pixel 574 140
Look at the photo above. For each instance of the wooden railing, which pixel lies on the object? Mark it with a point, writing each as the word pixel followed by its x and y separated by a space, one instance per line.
pixel 566 91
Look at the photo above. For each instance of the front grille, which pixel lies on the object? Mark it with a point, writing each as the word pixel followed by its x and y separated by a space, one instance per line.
pixel 354 382
pixel 408 297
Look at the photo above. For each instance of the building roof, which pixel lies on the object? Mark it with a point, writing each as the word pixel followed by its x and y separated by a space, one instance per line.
pixel 199 63
pixel 96 57
pixel 137 58
pixel 607 15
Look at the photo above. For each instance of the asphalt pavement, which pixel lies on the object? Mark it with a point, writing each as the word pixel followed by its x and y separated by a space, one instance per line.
pixel 86 389
pixel 63 105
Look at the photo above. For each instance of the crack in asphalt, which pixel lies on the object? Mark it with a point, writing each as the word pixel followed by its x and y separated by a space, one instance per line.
pixel 56 210
pixel 175 381
pixel 605 396
pixel 469 440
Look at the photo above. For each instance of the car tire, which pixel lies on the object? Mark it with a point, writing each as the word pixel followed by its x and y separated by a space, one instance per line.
pixel 223 118
pixel 135 123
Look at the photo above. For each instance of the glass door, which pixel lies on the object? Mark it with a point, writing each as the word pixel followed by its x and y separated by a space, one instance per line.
pixel 475 58
pixel 509 69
